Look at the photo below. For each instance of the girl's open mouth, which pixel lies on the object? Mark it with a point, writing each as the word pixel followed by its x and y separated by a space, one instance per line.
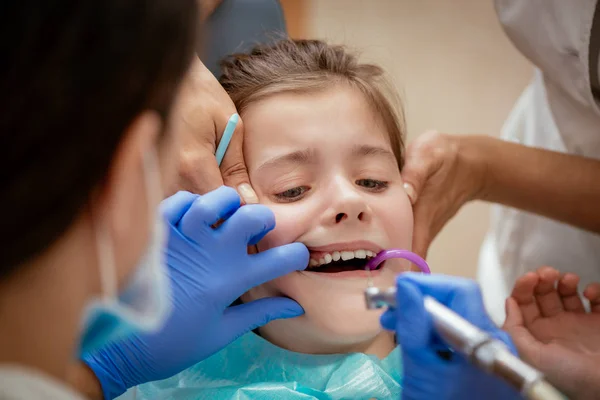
pixel 344 264
pixel 355 264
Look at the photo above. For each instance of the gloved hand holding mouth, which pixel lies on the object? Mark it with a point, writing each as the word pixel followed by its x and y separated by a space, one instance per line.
pixel 205 281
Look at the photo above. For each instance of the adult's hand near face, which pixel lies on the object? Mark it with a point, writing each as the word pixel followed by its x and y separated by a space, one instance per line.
pixel 208 269
pixel 203 111
pixel 442 172
pixel 207 7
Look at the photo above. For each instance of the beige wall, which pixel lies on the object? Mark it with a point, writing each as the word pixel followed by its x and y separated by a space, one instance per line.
pixel 456 71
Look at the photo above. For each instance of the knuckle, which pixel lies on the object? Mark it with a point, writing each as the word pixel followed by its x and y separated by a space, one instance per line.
pixel 185 168
pixel 432 143
pixel 190 162
pixel 235 169
pixel 203 205
pixel 229 192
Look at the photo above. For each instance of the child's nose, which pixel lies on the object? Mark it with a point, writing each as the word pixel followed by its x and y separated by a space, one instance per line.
pixel 348 206
pixel 344 216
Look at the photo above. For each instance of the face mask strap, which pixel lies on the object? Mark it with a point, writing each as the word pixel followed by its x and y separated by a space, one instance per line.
pixel 106 260
pixel 106 263
pixel 153 182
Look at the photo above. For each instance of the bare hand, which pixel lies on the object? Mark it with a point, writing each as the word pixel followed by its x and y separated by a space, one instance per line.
pixel 207 7
pixel 204 109
pixel 554 333
pixel 440 175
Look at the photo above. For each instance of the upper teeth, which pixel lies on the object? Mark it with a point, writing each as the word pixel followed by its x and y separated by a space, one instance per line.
pixel 344 255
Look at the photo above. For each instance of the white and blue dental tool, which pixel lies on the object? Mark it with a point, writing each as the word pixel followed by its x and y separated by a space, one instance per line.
pixel 226 138
pixel 480 348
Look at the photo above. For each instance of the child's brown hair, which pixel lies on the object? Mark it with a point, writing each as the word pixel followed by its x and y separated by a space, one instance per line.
pixel 308 65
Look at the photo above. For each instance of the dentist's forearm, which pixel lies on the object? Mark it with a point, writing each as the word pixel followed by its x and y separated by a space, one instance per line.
pixel 559 186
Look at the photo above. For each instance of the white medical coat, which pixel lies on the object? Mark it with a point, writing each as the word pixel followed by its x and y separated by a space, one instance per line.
pixel 557 111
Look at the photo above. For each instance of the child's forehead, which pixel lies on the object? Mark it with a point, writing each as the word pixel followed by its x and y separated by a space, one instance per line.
pixel 339 113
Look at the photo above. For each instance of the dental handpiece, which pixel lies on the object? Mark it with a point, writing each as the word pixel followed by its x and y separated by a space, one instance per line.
pixel 486 352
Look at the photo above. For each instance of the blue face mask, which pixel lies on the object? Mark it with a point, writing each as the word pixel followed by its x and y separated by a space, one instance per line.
pixel 144 304
pixel 253 368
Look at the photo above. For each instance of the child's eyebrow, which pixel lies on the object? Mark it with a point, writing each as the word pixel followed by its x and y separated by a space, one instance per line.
pixel 372 151
pixel 297 157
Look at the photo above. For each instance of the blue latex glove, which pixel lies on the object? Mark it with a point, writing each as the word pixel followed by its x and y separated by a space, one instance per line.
pixel 426 374
pixel 209 269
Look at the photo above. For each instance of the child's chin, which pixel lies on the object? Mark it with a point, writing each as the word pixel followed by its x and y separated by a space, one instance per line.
pixel 351 331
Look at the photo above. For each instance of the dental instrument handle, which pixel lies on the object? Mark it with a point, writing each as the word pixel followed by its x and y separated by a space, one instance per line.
pixel 480 348
pixel 542 390
pixel 522 376
pixel 490 354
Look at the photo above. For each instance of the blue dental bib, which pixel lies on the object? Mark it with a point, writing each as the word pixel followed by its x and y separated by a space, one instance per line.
pixel 253 368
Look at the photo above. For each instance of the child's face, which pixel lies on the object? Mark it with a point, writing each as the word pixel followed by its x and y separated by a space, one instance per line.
pixel 323 162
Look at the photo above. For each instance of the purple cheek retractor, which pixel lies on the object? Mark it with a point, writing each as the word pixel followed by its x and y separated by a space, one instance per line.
pixel 398 253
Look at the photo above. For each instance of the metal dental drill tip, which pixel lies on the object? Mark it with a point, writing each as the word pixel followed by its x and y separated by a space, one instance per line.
pixel 377 298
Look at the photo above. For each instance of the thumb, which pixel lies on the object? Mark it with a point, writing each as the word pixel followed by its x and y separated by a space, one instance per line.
pixel 514 317
pixel 417 167
pixel 422 229
pixel 233 168
pixel 527 345
pixel 246 317
pixel 413 324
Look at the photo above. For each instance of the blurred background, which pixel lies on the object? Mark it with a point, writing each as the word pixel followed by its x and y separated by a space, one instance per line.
pixel 452 64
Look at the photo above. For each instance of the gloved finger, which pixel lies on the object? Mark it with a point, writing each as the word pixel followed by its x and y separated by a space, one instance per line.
pixel 246 317
pixel 388 319
pixel 461 295
pixel 273 263
pixel 443 288
pixel 233 167
pixel 414 328
pixel 207 210
pixel 249 224
pixel 174 207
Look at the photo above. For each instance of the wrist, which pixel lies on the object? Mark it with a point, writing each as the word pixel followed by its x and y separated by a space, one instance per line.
pixel 475 156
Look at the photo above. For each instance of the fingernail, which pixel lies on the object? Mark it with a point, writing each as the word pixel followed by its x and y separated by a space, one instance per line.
pixel 410 192
pixel 247 194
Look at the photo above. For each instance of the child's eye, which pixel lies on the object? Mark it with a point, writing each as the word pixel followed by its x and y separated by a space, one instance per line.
pixel 372 184
pixel 292 194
